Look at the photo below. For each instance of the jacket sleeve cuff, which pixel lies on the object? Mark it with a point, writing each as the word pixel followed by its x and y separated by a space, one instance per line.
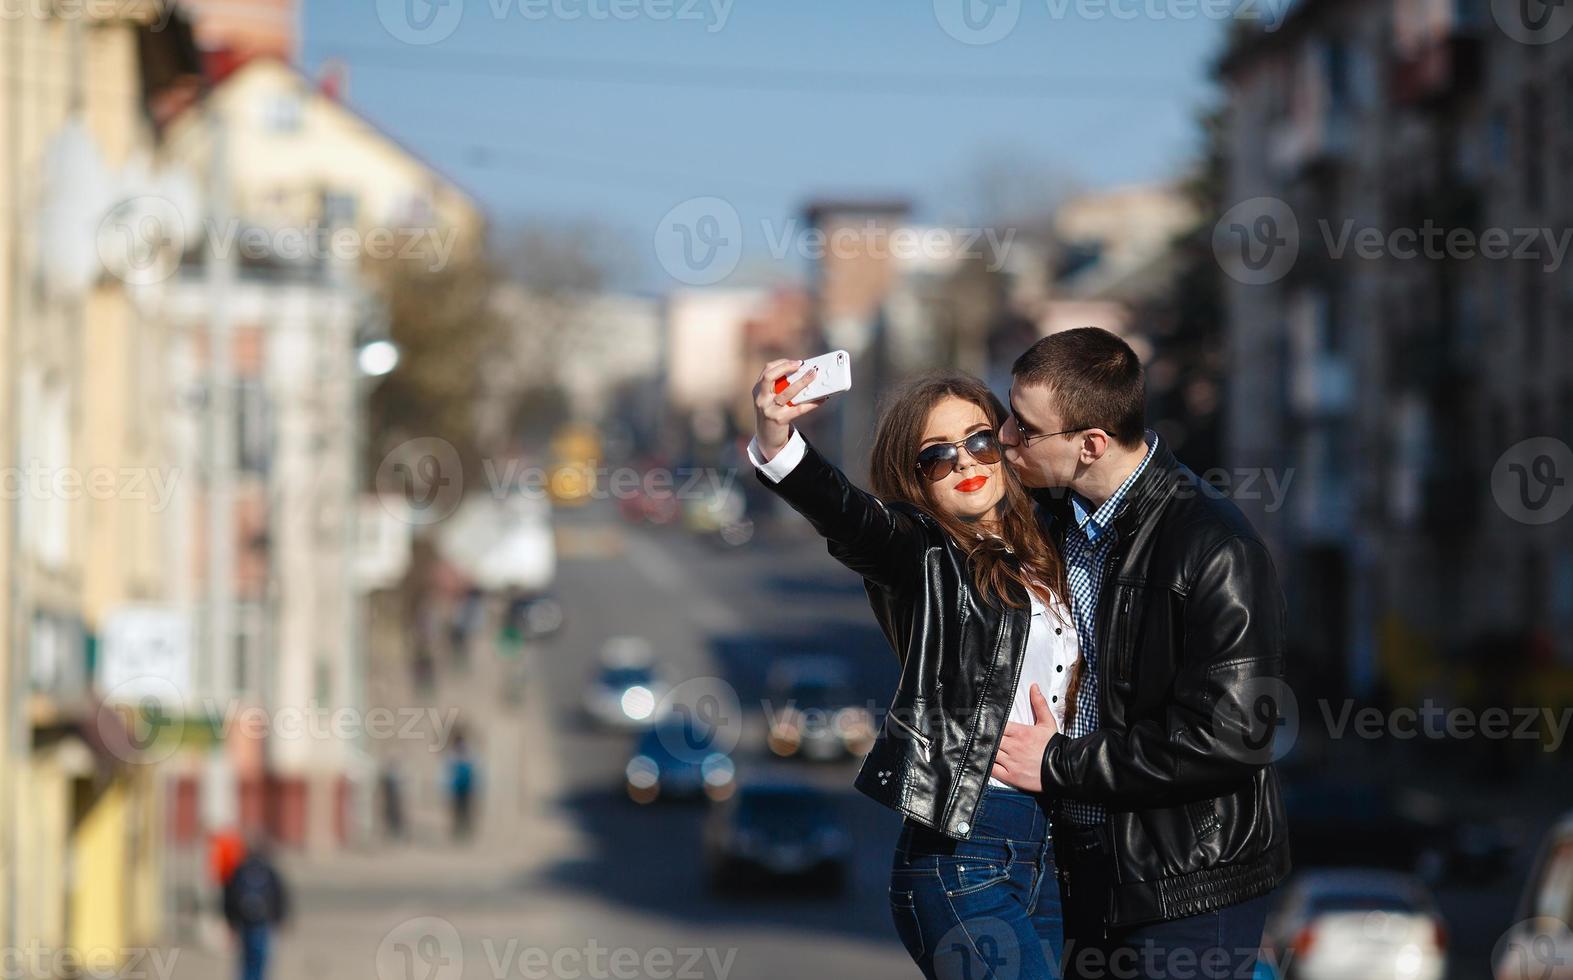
pixel 1057 743
pixel 783 462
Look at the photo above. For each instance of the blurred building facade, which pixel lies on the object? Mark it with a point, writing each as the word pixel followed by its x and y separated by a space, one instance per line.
pixel 305 199
pixel 81 848
pixel 181 423
pixel 1389 386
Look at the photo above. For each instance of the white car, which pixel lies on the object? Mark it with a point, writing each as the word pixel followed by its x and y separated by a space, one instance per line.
pixel 1540 943
pixel 626 690
pixel 1356 925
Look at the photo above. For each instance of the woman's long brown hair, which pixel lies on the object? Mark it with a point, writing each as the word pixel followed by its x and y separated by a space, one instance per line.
pixel 1036 564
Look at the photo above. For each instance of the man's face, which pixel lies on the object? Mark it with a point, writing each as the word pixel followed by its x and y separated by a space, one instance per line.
pixel 1040 459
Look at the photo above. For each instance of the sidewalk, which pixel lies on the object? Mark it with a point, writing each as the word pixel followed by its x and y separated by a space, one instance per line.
pixel 388 911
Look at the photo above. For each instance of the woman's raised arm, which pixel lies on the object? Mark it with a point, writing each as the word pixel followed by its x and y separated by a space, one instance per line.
pixel 880 543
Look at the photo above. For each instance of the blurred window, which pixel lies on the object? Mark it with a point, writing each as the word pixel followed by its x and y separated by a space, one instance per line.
pixel 339 210
pixel 252 437
pixel 627 677
pixel 1497 137
pixel 1372 901
pixel 1336 65
pixel 44 512
pixel 1533 158
pixel 282 114
pixel 1533 286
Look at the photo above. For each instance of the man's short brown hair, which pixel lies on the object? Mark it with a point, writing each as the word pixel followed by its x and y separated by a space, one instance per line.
pixel 1094 378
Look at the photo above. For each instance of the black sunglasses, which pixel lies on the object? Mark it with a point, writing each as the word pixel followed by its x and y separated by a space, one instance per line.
pixel 939 461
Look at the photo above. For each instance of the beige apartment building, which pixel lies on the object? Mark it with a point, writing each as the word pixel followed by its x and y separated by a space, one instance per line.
pixel 80 861
pixel 306 196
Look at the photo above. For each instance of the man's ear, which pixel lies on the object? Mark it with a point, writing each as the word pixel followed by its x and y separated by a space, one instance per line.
pixel 1094 443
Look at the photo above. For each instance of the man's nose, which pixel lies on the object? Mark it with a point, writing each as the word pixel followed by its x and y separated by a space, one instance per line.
pixel 1006 434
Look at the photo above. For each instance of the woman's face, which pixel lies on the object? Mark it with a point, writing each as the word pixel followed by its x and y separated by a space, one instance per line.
pixel 972 489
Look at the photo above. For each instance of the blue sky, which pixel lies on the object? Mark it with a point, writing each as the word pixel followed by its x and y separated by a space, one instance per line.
pixel 617 110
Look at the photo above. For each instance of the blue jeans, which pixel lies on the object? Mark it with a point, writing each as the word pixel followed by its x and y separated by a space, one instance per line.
pixel 983 908
pixel 253 952
pixel 1211 946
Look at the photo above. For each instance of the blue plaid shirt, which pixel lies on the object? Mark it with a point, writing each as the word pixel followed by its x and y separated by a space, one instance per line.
pixel 1086 548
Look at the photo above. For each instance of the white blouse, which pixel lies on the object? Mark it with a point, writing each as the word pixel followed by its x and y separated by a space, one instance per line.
pixel 1047 661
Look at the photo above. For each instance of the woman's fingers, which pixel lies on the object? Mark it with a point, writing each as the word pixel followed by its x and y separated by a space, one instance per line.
pixel 792 390
pixel 773 404
pixel 765 389
pixel 778 368
pixel 800 410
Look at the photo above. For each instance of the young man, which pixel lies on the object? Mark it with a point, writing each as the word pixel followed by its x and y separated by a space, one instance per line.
pixel 1170 829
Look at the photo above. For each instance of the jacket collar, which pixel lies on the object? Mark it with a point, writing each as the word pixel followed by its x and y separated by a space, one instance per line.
pixel 1150 491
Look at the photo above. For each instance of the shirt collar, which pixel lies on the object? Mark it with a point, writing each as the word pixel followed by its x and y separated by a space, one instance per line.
pixel 1094 523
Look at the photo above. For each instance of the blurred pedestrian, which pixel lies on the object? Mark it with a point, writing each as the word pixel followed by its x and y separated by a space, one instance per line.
pixel 466 619
pixel 226 849
pixel 391 781
pixel 423 671
pixel 255 903
pixel 461 786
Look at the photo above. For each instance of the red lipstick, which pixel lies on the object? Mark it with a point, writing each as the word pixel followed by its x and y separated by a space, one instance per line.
pixel 972 484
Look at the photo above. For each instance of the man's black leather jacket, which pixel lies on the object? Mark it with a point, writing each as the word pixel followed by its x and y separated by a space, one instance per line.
pixel 1192 626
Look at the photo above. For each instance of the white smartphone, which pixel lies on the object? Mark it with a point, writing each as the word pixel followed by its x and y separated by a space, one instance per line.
pixel 835 375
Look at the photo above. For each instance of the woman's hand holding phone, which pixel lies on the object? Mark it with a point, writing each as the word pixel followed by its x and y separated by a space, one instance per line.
pixel 773 417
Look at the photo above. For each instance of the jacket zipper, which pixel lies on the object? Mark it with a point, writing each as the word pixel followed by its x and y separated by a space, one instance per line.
pixel 927 746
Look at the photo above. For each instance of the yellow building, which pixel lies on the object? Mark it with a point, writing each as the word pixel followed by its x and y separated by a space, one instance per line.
pixel 79 525
pixel 301 159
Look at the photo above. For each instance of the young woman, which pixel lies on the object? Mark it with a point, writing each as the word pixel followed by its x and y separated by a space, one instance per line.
pixel 971 596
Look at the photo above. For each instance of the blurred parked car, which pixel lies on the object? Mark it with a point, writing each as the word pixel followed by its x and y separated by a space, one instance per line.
pixel 813 711
pixel 642 505
pixel 535 617
pixel 774 831
pixel 1357 924
pixel 626 690
pixel 679 759
pixel 1540 943
pixel 720 516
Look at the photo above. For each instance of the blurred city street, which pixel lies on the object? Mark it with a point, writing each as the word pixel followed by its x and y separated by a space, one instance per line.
pixel 387 588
